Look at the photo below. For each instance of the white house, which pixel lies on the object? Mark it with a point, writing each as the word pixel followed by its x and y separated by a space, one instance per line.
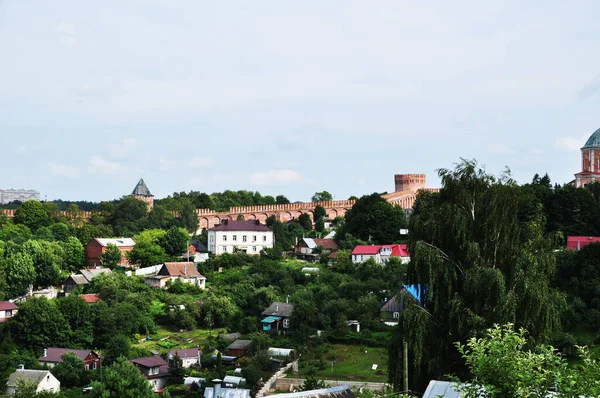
pixel 380 253
pixel 43 379
pixel 248 236
pixel 189 357
pixel 7 310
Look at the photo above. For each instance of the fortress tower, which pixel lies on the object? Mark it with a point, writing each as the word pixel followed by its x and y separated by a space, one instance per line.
pixel 142 193
pixel 409 182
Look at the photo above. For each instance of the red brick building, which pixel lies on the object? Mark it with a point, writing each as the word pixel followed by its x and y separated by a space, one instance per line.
pixel 97 246
pixel 590 161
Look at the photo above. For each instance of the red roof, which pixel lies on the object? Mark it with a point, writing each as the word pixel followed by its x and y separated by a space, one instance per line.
pixel 7 306
pixel 91 298
pixel 327 244
pixel 54 354
pixel 149 362
pixel 578 242
pixel 398 250
pixel 184 269
pixel 366 249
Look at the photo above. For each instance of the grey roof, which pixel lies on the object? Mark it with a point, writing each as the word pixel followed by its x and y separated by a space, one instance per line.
pixel 240 345
pixel 141 189
pixel 231 336
pixel 332 392
pixel 443 389
pixel 310 243
pixel 35 376
pixel 228 393
pixel 279 309
pixel 91 273
pixel 593 141
pixel 79 279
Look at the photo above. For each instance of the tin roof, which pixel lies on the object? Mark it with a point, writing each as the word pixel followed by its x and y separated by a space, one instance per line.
pixel 593 141
pixel 141 189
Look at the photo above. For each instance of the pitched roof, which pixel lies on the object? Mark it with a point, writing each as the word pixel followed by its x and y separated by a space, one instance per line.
pixel 578 242
pixel 231 225
pixel 185 269
pixel 149 362
pixel 54 354
pixel 279 309
pixel 7 305
pixel 331 392
pixel 35 376
pixel 239 345
pixel 327 244
pixel 186 353
pixel 79 279
pixel 397 302
pixel 91 298
pixel 119 242
pixel 366 249
pixel 309 242
pixel 91 273
pixel 141 189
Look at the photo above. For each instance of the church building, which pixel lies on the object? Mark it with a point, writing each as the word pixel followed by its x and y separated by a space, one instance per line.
pixel 142 193
pixel 590 161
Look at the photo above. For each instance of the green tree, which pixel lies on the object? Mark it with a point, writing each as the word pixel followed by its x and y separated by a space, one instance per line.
pixel 175 241
pixel 176 372
pixel 305 221
pixel 476 265
pixel 147 254
pixel 187 216
pixel 130 215
pixel 39 324
pixel 32 214
pixel 501 366
pixel 111 257
pixel 115 347
pixel 60 231
pixel 373 219
pixel 74 253
pixel 80 318
pixel 281 200
pixel 71 372
pixel 322 196
pixel 20 272
pixel 123 380
pixel 47 258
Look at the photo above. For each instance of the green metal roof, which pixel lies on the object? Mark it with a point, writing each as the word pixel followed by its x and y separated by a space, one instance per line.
pixel 271 319
pixel 593 141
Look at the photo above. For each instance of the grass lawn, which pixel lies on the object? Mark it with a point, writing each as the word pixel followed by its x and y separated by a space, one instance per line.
pixel 353 363
pixel 193 338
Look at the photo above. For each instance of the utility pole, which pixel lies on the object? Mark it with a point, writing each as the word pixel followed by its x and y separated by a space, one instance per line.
pixel 405 360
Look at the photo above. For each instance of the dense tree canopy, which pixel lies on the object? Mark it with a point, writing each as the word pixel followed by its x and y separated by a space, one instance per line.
pixel 476 264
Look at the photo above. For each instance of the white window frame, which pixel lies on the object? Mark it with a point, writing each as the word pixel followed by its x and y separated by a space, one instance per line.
pixel 224 238
pixel 264 238
pixel 254 236
pixel 244 238
pixel 235 238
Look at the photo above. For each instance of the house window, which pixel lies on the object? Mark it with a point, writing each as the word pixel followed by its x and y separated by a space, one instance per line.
pixel 94 366
pixel 254 236
pixel 286 323
pixel 396 315
pixel 8 313
pixel 264 238
pixel 253 248
pixel 87 366
pixel 224 238
pixel 244 238
pixel 234 238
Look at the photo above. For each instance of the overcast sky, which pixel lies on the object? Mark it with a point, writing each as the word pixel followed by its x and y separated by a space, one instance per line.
pixel 290 97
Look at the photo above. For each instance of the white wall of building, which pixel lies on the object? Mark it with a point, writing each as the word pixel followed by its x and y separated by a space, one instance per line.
pixel 252 242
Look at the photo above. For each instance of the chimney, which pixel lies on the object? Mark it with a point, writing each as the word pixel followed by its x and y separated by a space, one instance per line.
pixel 276 308
pixel 217 388
pixel 45 352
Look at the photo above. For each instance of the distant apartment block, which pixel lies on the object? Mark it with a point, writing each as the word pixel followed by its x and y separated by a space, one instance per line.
pixel 22 195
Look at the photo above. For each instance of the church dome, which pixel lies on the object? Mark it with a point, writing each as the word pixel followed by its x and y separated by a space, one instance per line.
pixel 593 141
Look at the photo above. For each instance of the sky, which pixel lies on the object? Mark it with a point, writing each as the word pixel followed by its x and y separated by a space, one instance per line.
pixel 290 97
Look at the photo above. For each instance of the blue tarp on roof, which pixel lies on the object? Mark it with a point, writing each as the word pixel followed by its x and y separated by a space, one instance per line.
pixel 271 319
pixel 415 291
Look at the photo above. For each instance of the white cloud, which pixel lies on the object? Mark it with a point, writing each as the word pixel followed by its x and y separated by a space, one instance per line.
pixel 163 163
pixel 276 177
pixel 66 34
pixel 123 148
pixel 63 170
pixel 570 144
pixel 501 149
pixel 98 165
pixel 200 162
